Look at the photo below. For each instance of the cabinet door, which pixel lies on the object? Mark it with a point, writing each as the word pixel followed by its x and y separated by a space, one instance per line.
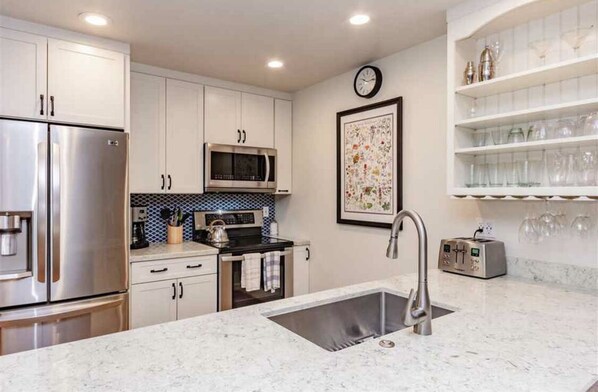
pixel 147 162
pixel 153 303
pixel 257 120
pixel 184 137
pixel 22 74
pixel 301 256
pixel 223 116
pixel 283 142
pixel 87 84
pixel 197 296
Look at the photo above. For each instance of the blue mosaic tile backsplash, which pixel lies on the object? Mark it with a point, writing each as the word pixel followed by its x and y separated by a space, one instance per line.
pixel 156 228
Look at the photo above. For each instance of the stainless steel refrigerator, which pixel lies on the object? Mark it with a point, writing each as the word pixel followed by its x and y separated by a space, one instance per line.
pixel 63 230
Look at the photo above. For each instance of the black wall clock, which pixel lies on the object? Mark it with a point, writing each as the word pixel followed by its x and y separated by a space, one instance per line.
pixel 368 81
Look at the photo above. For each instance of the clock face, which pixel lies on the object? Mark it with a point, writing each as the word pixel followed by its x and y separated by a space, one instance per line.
pixel 368 81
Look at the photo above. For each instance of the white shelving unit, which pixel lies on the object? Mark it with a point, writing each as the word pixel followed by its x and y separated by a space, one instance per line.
pixel 562 85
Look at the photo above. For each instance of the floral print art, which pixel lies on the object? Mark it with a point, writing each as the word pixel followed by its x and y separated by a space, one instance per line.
pixel 368 165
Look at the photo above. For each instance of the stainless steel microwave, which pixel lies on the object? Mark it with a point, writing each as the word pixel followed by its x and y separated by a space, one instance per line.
pixel 239 169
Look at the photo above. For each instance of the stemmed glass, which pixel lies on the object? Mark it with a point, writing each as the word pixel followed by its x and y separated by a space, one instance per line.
pixel 576 37
pixel 498 50
pixel 582 225
pixel 548 223
pixel 541 48
pixel 528 230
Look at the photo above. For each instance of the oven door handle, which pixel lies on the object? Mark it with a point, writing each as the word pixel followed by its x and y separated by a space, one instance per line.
pixel 267 169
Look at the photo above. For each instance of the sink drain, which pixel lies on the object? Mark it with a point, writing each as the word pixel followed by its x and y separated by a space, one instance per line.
pixel 386 343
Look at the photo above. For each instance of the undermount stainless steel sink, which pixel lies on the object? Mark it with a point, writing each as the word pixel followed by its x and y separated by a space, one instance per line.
pixel 338 325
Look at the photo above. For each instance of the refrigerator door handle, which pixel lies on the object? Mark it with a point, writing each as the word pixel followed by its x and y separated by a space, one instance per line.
pixel 42 209
pixel 55 200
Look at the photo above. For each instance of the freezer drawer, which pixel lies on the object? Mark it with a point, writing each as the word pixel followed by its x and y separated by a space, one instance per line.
pixel 41 326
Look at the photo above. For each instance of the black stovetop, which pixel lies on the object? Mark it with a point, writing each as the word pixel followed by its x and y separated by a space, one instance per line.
pixel 249 244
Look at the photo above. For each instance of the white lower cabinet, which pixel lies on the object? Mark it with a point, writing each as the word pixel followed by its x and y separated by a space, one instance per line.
pixel 197 296
pixel 181 288
pixel 301 257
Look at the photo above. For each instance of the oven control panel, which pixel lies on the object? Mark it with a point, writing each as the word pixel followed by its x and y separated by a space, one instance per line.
pixel 232 219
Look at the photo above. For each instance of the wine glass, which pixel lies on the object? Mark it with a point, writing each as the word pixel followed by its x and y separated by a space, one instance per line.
pixel 582 226
pixel 565 128
pixel 539 130
pixel 576 37
pixel 528 230
pixel 547 223
pixel 590 125
pixel 586 165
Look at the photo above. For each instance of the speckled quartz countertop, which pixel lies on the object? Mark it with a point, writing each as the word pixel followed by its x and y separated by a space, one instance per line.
pixel 296 241
pixel 506 334
pixel 166 251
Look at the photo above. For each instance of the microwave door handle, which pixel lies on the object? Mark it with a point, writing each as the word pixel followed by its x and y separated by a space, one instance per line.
pixel 267 169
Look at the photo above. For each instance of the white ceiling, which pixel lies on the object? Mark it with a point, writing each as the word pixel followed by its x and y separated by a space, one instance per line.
pixel 233 39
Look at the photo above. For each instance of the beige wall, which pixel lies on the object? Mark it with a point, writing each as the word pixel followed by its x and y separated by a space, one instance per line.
pixel 344 254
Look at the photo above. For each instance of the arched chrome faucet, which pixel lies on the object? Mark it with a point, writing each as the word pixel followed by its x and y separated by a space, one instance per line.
pixel 418 311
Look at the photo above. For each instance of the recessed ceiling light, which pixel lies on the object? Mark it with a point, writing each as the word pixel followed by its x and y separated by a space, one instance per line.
pixel 359 19
pixel 275 64
pixel 94 19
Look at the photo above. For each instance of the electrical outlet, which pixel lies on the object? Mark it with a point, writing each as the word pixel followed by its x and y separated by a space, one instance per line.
pixel 487 228
pixel 266 211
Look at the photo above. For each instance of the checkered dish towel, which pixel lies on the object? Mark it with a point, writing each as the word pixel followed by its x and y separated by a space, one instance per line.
pixel 272 271
pixel 251 271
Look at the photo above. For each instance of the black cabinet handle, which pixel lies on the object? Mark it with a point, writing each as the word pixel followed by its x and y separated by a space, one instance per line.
pixel 239 138
pixel 163 181
pixel 160 270
pixel 41 98
pixel 173 291
pixel 308 254
pixel 194 266
pixel 169 182
pixel 283 190
pixel 181 286
pixel 244 136
pixel 51 105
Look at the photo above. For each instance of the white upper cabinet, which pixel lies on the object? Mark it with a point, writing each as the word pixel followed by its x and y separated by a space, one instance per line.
pixel 223 116
pixel 184 137
pixel 147 163
pixel 237 118
pixel 86 85
pixel 257 120
pixel 283 142
pixel 23 64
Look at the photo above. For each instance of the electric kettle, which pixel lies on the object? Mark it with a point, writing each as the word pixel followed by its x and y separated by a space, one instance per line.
pixel 217 233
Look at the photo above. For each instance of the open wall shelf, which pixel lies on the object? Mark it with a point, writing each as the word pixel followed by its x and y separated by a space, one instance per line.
pixel 563 84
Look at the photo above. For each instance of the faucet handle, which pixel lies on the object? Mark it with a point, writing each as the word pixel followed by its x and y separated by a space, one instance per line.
pixel 411 315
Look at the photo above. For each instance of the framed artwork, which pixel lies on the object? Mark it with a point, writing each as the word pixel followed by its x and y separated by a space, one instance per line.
pixel 369 167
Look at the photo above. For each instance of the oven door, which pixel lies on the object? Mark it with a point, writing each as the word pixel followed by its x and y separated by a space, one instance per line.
pixel 239 169
pixel 232 296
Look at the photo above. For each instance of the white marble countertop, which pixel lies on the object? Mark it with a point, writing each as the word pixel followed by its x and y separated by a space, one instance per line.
pixel 163 251
pixel 507 334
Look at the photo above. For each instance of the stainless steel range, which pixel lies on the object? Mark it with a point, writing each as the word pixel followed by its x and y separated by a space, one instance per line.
pixel 63 256
pixel 244 230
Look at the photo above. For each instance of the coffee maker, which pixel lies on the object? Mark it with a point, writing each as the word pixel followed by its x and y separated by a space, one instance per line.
pixel 138 220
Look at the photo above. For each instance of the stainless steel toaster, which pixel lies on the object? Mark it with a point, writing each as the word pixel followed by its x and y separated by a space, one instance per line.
pixel 476 257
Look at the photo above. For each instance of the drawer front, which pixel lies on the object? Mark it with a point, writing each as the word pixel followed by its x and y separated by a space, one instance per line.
pixel 151 271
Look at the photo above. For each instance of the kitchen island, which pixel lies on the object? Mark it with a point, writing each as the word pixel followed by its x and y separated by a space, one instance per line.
pixel 505 334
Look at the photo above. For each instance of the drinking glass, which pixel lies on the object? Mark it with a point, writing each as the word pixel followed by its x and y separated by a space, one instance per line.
pixel 565 128
pixel 535 171
pixel 512 177
pixel 539 130
pixel 523 172
pixel 586 167
pixel 541 47
pixel 590 126
pixel 495 172
pixel 499 135
pixel 547 223
pixel 528 230
pixel 498 50
pixel 516 136
pixel 582 226
pixel 556 168
pixel 561 221
pixel 479 138
pixel 477 174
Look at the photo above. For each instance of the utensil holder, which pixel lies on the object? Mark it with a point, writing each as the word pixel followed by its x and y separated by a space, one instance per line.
pixel 175 235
